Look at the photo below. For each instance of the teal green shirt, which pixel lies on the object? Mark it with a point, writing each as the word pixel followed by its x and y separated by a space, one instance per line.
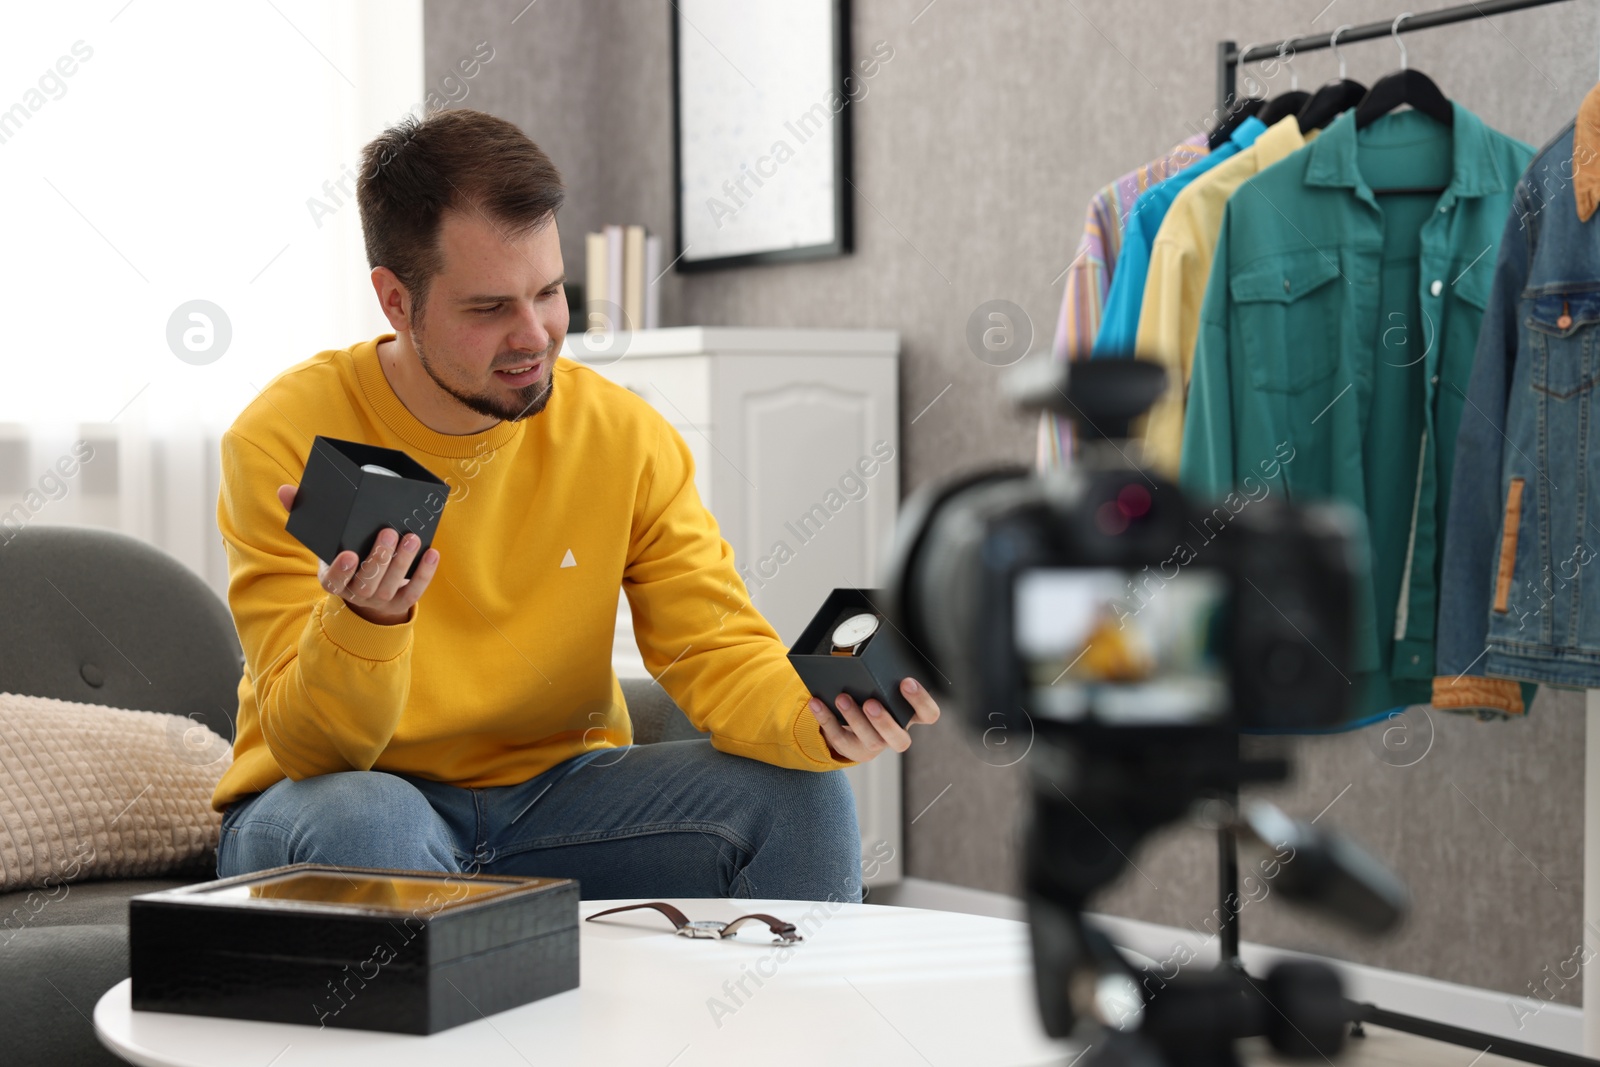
pixel 1338 330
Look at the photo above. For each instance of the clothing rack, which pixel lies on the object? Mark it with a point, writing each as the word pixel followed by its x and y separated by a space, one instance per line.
pixel 1229 59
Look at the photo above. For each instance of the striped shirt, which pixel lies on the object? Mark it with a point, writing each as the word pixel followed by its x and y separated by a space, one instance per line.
pixel 1089 277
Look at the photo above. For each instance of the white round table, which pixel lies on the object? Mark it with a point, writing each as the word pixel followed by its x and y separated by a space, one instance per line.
pixel 870 984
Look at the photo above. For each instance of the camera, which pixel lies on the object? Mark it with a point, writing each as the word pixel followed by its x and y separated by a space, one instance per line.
pixel 1133 632
pixel 1103 597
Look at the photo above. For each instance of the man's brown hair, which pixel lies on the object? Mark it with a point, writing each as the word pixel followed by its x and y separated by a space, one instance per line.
pixel 452 160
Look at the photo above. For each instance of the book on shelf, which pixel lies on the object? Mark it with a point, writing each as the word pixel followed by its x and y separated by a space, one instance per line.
pixel 652 291
pixel 594 296
pixel 622 264
pixel 633 278
pixel 613 232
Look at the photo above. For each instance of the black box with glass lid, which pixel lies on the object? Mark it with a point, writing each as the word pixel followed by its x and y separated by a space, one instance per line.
pixel 363 948
pixel 850 647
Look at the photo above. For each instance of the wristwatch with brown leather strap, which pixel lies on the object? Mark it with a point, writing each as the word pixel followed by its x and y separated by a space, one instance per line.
pixel 710 927
pixel 852 633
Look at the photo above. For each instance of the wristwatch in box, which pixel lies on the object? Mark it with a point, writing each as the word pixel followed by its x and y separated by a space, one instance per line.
pixel 850 635
pixel 850 647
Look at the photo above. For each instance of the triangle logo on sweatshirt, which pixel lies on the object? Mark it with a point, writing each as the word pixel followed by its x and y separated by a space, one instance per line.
pixel 567 560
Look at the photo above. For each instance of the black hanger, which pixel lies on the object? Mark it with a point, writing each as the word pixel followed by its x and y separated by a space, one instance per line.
pixel 1282 105
pixel 1404 86
pixel 1242 109
pixel 1329 102
pixel 1271 110
pixel 1333 99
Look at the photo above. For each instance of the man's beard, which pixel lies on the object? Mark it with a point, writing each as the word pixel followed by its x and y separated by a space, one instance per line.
pixel 521 404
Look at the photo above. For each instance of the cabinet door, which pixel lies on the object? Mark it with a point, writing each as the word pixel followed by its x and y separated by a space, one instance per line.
pixel 804 492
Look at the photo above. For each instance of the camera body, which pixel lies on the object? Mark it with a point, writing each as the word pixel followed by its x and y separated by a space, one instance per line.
pixel 1104 598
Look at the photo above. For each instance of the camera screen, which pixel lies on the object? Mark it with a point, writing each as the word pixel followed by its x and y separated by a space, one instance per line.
pixel 1125 648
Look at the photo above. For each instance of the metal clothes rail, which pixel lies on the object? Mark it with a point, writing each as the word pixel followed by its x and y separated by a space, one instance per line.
pixel 1229 58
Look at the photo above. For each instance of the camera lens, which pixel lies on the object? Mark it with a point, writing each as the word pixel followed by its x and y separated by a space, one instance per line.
pixel 1128 504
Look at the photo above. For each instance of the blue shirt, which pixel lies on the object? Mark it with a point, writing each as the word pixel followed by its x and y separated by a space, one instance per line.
pixel 1119 322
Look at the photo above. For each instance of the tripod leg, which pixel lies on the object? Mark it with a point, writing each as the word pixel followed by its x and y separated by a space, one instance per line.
pixel 1228 894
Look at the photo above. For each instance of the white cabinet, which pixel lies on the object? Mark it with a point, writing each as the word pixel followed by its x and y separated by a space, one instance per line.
pixel 795 436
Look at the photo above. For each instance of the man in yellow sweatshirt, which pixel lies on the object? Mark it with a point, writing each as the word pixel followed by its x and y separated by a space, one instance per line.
pixel 468 719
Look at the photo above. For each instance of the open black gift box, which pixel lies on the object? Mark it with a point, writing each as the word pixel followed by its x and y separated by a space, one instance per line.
pixel 876 668
pixel 342 507
pixel 362 948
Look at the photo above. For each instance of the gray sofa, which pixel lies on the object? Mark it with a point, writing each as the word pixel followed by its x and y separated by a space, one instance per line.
pixel 99 617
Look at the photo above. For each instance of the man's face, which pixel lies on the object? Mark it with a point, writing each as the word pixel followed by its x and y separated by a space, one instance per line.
pixel 498 302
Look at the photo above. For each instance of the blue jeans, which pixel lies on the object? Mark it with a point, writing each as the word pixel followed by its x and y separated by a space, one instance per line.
pixel 673 819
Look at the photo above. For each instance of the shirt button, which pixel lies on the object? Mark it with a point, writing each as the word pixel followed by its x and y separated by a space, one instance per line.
pixel 1437 287
pixel 1286 285
pixel 1435 379
pixel 1416 659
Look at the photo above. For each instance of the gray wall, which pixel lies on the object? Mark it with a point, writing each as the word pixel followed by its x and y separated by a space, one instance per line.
pixel 976 149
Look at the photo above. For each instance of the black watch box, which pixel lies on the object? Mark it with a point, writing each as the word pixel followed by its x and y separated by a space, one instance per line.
pixel 874 670
pixel 342 507
pixel 411 952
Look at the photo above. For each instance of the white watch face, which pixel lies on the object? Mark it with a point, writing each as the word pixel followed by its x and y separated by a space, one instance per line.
pixel 855 629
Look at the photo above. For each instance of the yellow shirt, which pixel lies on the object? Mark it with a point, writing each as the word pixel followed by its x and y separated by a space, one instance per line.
pixel 1180 263
pixel 504 668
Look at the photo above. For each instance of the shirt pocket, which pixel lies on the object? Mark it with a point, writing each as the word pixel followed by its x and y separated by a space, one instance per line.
pixel 1287 316
pixel 1561 335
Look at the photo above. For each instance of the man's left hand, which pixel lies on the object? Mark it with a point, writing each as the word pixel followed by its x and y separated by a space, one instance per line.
pixel 860 734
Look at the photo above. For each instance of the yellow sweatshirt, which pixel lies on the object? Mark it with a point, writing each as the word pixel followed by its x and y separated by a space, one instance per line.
pixel 504 668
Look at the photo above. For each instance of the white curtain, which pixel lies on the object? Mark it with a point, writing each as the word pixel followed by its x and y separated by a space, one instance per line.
pixel 154 154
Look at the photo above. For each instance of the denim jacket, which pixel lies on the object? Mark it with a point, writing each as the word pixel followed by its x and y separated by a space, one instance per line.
pixel 1521 581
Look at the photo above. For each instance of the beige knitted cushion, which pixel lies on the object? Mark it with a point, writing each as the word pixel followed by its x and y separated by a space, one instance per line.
pixel 89 791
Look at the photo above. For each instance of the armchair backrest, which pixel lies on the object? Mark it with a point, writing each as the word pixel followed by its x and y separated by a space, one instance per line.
pixel 98 616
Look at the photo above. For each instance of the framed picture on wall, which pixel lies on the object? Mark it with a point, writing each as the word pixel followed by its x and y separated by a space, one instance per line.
pixel 761 131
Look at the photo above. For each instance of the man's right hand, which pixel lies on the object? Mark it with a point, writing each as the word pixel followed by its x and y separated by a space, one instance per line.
pixel 378 591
